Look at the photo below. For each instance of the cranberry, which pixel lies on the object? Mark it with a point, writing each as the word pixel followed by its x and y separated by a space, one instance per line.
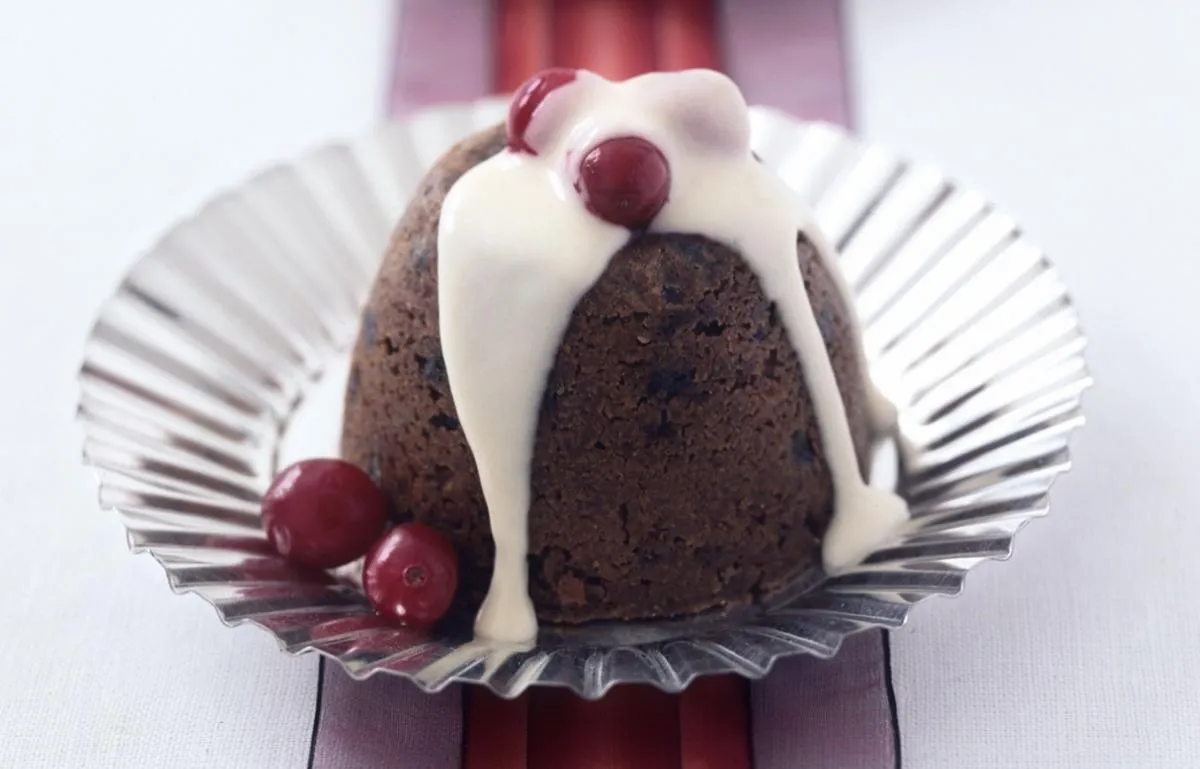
pixel 624 181
pixel 526 101
pixel 323 513
pixel 411 574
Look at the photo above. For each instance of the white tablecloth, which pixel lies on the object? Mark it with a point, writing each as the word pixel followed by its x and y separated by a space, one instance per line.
pixel 1078 117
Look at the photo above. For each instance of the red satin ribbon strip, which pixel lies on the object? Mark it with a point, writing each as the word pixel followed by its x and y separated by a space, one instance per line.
pixel 685 35
pixel 632 727
pixel 522 42
pixel 614 38
pixel 496 732
pixel 714 724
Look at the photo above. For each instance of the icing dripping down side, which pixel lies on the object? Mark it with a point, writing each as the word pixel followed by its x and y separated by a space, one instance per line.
pixel 515 256
pixel 762 229
pixel 518 251
pixel 881 413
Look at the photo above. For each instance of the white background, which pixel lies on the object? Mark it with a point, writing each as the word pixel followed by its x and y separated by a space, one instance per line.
pixel 1081 118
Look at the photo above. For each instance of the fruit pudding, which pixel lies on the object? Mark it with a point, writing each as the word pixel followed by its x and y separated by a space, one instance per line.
pixel 608 371
pixel 609 355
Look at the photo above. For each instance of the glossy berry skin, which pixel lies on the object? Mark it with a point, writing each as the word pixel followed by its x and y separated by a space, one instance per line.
pixel 526 101
pixel 323 513
pixel 624 181
pixel 411 575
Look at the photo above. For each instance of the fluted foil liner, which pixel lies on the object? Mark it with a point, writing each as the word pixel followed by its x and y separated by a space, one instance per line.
pixel 206 365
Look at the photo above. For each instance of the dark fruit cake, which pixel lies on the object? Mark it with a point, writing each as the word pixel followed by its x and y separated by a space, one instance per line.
pixel 679 462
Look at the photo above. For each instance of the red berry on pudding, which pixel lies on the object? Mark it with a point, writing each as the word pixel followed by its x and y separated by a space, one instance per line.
pixel 624 181
pixel 526 101
pixel 323 513
pixel 411 574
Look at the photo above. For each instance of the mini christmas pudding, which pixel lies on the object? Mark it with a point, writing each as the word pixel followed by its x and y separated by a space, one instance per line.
pixel 610 378
pixel 609 355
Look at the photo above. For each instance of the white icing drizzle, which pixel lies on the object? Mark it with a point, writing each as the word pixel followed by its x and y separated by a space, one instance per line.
pixel 881 413
pixel 517 251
